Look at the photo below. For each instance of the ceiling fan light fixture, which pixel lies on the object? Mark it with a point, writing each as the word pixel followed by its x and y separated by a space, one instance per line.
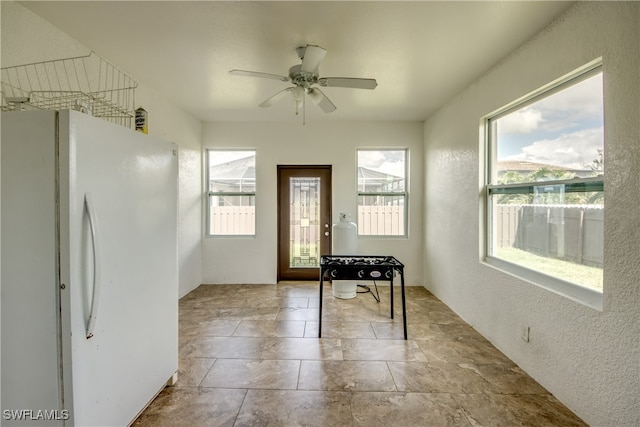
pixel 298 93
pixel 298 98
pixel 299 106
pixel 316 98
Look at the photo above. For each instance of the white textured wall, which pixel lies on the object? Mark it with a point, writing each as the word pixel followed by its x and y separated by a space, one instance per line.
pixel 588 359
pixel 253 260
pixel 172 124
pixel 28 38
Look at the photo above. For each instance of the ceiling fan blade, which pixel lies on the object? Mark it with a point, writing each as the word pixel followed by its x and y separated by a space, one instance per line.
pixel 349 82
pixel 321 100
pixel 258 74
pixel 313 55
pixel 275 98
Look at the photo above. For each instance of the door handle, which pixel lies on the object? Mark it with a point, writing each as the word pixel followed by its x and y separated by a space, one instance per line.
pixel 326 233
pixel 97 279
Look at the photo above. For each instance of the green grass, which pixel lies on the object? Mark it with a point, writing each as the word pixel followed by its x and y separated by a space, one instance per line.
pixel 590 277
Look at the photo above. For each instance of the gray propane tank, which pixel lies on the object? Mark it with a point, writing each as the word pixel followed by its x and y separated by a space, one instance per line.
pixel 345 234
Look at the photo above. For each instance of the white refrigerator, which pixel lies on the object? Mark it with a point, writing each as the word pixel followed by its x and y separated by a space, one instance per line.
pixel 89 269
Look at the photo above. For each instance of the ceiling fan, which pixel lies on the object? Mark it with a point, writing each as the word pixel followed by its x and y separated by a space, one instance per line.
pixel 305 78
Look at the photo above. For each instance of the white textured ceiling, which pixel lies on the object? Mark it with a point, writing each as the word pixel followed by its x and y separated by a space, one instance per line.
pixel 421 53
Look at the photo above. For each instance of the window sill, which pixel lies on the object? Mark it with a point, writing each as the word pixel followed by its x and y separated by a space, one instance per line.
pixel 579 294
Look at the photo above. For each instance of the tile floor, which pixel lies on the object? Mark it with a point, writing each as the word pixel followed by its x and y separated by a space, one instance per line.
pixel 250 356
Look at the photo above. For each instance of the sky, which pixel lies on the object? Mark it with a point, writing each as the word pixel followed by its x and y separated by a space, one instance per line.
pixel 223 156
pixel 387 161
pixel 564 129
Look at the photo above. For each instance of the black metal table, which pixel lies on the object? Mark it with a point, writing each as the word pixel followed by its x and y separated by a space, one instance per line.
pixel 362 267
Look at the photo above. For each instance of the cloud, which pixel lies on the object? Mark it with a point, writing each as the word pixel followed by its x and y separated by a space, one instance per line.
pixel 525 120
pixel 583 99
pixel 371 159
pixel 577 106
pixel 573 150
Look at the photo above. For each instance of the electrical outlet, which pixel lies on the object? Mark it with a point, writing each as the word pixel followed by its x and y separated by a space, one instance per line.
pixel 524 332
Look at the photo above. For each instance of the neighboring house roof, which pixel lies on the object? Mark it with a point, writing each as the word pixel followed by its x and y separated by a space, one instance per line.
pixel 374 174
pixel 373 180
pixel 244 168
pixel 523 166
pixel 246 172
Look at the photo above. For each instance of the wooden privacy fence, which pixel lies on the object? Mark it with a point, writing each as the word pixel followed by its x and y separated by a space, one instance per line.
pixel 232 220
pixel 571 232
pixel 381 220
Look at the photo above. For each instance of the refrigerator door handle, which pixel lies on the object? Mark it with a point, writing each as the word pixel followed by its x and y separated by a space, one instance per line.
pixel 97 278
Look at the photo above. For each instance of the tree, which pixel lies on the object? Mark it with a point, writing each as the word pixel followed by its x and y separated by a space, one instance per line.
pixel 551 194
pixel 513 177
pixel 597 165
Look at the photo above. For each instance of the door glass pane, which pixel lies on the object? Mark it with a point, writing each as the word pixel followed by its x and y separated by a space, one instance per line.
pixel 304 222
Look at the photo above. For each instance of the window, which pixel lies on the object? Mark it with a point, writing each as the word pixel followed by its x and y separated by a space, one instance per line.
pixel 231 190
pixel 382 192
pixel 545 187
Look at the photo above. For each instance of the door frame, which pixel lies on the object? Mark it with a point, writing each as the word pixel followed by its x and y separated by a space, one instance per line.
pixel 284 272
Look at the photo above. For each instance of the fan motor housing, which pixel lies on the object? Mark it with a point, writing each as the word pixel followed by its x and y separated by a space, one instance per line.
pixel 302 78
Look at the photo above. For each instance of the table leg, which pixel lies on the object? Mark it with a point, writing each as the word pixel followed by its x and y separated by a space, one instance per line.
pixel 320 305
pixel 391 293
pixel 404 305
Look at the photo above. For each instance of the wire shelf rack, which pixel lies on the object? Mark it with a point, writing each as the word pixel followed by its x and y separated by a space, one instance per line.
pixel 85 83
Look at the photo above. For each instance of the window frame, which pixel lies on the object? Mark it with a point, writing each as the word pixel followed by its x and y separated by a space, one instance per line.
pixel 404 194
pixel 210 194
pixel 576 292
